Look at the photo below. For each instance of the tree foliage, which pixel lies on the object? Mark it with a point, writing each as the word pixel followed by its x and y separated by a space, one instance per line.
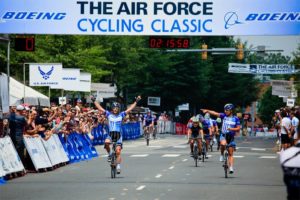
pixel 128 62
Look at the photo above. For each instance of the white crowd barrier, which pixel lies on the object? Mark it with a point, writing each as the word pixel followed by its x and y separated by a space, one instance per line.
pixel 63 153
pixel 165 127
pixel 37 152
pixel 56 156
pixel 45 153
pixel 9 159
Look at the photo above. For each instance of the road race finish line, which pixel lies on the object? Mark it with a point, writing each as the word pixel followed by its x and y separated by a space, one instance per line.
pixel 157 17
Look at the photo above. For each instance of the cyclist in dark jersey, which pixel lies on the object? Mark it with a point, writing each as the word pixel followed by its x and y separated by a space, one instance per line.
pixel 195 132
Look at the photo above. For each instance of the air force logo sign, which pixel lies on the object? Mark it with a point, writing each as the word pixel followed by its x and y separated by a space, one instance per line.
pixel 45 74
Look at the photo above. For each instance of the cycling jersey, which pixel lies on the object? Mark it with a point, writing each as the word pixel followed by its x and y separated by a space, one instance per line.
pixel 195 131
pixel 206 125
pixel 148 120
pixel 115 121
pixel 229 122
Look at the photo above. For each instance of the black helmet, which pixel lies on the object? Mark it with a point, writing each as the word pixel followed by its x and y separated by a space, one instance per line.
pixel 115 105
pixel 229 106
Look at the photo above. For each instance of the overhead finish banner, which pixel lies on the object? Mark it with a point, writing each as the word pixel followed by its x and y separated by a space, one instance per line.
pixel 45 74
pixel 261 68
pixel 155 17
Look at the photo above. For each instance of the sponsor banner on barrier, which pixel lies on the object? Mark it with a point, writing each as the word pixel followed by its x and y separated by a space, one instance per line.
pixel 155 17
pixel 45 74
pixel 37 152
pixel 53 151
pixel 63 154
pixel 69 80
pixel 9 158
pixel 261 68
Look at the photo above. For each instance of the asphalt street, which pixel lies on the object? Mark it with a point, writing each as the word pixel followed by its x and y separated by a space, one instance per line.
pixel 161 171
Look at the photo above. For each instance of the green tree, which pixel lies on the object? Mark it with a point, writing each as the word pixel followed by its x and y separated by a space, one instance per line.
pixel 267 105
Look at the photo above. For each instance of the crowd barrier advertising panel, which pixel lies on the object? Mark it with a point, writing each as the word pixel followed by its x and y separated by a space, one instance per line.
pixel 155 17
pixel 63 153
pixel 9 159
pixel 53 151
pixel 37 152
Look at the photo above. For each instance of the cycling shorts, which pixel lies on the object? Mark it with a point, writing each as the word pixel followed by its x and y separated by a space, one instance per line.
pixel 116 137
pixel 229 139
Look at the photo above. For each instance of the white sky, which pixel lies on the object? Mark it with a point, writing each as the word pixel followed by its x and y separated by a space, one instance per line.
pixel 287 43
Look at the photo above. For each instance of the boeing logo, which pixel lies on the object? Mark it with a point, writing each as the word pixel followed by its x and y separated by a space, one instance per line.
pixel 230 19
pixel 33 16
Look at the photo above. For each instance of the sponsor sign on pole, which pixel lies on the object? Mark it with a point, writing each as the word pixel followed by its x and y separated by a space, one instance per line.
pixel 62 100
pixel 84 82
pixel 261 68
pixel 290 102
pixel 45 74
pixel 69 80
pixel 153 101
pixel 155 17
pixel 104 90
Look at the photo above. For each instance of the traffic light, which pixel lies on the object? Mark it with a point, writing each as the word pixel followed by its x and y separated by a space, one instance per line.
pixel 240 51
pixel 204 53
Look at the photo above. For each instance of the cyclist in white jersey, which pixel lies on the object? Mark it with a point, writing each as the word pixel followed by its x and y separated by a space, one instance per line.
pixel 231 125
pixel 115 118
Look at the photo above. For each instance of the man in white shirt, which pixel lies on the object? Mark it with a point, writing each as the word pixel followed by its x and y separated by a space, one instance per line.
pixel 286 125
pixel 290 163
pixel 295 124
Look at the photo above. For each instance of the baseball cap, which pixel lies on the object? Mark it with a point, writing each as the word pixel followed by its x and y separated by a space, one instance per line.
pixel 79 101
pixel 277 111
pixel 20 107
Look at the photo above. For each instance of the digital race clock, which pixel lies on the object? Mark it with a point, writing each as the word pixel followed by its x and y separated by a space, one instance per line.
pixel 164 42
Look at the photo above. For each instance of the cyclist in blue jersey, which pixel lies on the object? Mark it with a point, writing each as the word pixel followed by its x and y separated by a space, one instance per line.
pixel 115 118
pixel 148 123
pixel 231 125
pixel 207 131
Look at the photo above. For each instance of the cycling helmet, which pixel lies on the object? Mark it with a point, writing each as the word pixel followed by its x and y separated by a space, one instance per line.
pixel 207 116
pixel 229 106
pixel 219 120
pixel 195 119
pixel 115 105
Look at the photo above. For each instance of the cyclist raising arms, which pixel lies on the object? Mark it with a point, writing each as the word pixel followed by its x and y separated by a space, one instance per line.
pixel 231 125
pixel 115 118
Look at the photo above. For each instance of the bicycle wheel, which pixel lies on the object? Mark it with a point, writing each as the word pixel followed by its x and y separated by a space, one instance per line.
pixel 113 166
pixel 203 151
pixel 113 171
pixel 226 165
pixel 196 155
pixel 147 140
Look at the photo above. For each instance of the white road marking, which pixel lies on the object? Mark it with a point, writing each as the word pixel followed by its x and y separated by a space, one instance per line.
pixel 237 156
pixel 180 147
pixel 172 167
pixel 209 156
pixel 184 160
pixel 141 187
pixel 153 146
pixel 258 149
pixel 170 155
pixel 112 198
pixel 270 157
pixel 139 155
pixel 104 156
pixel 158 176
